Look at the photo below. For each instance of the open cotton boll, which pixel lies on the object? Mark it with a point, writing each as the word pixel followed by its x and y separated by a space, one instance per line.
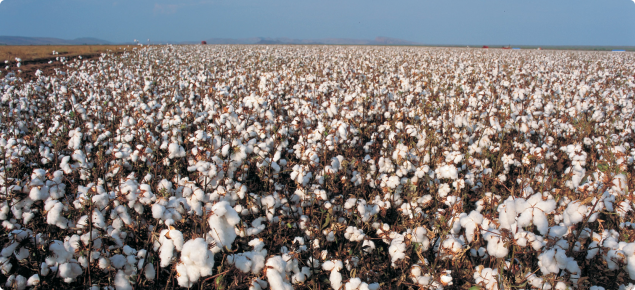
pixel 54 216
pixel 39 193
pixel 176 151
pixel 619 184
pixel 33 280
pixel 196 262
pixel 335 276
pixel 397 249
pixel 69 271
pixel 276 274
pixel 166 252
pixel 222 222
pixel 252 261
pixel 486 277
pixel 574 213
pixel 495 246
pixel 149 271
pixel 177 238
pixel 419 235
pixel 354 234
pixel 447 171
pixel 471 224
pixel 121 281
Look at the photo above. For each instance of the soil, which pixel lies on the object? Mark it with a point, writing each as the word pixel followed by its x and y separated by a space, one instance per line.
pixel 29 67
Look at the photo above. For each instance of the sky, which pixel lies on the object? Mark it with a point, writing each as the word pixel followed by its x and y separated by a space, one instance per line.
pixel 450 22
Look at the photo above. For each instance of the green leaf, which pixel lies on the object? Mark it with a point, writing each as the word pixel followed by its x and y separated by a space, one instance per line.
pixel 476 288
pixel 327 221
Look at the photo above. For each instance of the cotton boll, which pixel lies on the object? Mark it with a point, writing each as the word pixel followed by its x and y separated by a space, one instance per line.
pixel 121 281
pixel 222 222
pixel 20 282
pixel 353 284
pixel 397 249
pixel 354 234
pixel 276 274
pixel 166 253
pixel 196 261
pixel 54 216
pixel 548 263
pixel 69 271
pixel 470 223
pixel 418 236
pixel 447 171
pixel 149 271
pixel 39 193
pixel 103 263
pixel 177 238
pixel 574 213
pixel 495 246
pixel 486 277
pixel 118 261
pixel 33 280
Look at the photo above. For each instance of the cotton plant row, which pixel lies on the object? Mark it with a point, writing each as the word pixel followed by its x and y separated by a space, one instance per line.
pixel 320 167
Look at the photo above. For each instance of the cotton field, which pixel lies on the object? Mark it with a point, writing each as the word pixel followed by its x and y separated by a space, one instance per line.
pixel 320 167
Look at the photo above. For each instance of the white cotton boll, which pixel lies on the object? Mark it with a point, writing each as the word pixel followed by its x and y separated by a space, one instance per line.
pixel 44 269
pixel 121 281
pixel 149 271
pixel 118 261
pixel 176 151
pixel 574 213
pixel 222 222
pixel 471 223
pixel 419 235
pixel 353 284
pixel 196 261
pixel 397 249
pixel 22 254
pixel 27 217
pixel 166 252
pixel 486 277
pixel 103 263
pixel 177 238
pixel 444 190
pixel 33 280
pixel 548 263
pixel 20 282
pixel 447 171
pixel 8 251
pixel 619 184
pixel 540 221
pixel 276 274
pixel 594 248
pixel 98 219
pixel 354 234
pixel 39 193
pixel 336 279
pixel 157 211
pixel 54 216
pixel 495 246
pixel 69 271
pixel 446 279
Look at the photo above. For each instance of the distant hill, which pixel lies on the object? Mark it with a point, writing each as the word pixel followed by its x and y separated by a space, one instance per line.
pixel 21 40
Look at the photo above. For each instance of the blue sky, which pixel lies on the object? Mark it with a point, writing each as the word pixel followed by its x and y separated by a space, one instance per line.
pixel 531 22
